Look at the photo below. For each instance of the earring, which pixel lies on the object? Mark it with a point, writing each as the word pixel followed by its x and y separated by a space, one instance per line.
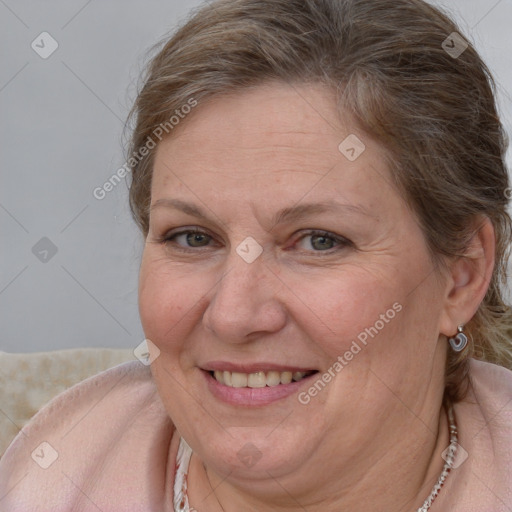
pixel 459 341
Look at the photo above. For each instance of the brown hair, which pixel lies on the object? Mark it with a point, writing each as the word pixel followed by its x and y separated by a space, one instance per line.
pixel 388 62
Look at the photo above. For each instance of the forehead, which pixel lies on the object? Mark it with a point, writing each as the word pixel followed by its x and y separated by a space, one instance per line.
pixel 276 136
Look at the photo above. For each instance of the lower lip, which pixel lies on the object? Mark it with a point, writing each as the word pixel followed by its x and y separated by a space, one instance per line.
pixel 252 396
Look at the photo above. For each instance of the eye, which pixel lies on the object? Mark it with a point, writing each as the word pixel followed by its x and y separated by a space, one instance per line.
pixel 189 239
pixel 319 241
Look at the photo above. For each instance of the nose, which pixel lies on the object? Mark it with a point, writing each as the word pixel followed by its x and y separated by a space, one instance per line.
pixel 246 303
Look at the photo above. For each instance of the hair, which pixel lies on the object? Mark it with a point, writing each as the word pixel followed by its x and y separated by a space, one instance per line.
pixel 386 60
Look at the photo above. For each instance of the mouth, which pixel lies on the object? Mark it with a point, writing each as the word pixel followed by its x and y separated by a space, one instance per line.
pixel 254 384
pixel 260 379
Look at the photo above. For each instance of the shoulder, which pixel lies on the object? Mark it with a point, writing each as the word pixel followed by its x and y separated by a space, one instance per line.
pixel 483 472
pixel 491 377
pixel 488 405
pixel 104 441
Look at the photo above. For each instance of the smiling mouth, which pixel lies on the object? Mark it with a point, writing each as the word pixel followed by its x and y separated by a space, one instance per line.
pixel 258 379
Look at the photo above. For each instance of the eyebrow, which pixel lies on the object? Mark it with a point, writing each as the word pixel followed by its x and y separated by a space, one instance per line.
pixel 290 214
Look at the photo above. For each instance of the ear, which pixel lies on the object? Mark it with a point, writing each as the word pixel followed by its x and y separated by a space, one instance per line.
pixel 468 278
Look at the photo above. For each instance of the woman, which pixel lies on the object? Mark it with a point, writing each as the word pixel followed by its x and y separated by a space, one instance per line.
pixel 322 190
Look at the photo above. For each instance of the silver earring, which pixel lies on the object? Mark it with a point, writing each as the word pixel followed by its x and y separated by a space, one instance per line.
pixel 459 341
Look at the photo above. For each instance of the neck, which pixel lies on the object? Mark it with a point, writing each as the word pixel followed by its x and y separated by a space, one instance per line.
pixel 397 476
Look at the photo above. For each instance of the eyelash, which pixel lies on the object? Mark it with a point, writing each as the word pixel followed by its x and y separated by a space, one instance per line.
pixel 340 241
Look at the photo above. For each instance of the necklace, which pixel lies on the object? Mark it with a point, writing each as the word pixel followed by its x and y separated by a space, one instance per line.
pixel 449 460
pixel 185 453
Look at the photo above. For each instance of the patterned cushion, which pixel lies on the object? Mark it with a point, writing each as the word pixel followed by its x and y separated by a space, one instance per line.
pixel 29 381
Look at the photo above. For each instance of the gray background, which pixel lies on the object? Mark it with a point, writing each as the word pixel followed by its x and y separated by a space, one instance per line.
pixel 61 136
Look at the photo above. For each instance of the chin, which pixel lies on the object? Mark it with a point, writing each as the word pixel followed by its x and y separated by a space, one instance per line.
pixel 254 452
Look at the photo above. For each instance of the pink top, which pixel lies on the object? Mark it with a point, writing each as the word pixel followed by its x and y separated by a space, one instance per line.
pixel 107 444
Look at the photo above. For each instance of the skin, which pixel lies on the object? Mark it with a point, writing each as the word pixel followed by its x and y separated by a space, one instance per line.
pixel 372 438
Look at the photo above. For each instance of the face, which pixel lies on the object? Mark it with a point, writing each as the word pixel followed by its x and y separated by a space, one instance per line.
pixel 288 288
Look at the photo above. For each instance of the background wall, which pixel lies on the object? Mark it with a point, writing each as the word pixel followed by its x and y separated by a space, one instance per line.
pixel 69 261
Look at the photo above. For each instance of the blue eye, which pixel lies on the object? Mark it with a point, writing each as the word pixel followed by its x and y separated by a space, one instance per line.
pixel 321 241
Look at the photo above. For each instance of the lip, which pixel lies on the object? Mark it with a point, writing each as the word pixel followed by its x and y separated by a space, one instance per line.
pixel 254 397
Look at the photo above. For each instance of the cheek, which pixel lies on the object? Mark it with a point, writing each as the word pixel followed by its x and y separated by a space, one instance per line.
pixel 346 305
pixel 168 302
pixel 383 330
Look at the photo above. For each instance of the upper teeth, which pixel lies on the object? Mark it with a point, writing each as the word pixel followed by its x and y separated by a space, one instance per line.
pixel 257 379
